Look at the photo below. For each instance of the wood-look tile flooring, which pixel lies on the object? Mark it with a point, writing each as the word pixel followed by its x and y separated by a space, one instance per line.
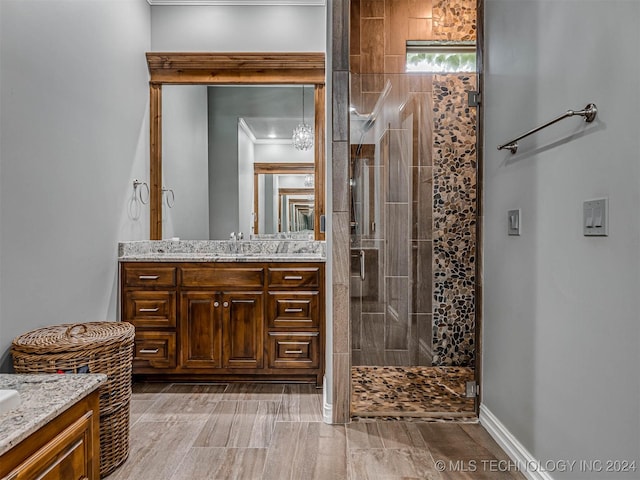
pixel 275 432
pixel 411 392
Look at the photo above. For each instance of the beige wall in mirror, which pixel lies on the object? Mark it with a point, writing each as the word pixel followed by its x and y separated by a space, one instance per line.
pixel 221 127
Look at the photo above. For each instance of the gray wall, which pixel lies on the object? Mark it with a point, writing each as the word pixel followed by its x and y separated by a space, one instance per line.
pixel 239 28
pixel 73 136
pixel 561 327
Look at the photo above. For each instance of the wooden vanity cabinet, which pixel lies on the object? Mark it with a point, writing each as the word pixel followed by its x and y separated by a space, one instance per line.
pixel 233 321
pixel 66 448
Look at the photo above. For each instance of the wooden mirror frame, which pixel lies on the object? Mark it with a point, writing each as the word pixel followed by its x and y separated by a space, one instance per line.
pixel 282 169
pixel 179 68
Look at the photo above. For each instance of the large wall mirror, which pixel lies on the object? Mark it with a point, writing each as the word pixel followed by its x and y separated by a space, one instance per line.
pixel 222 158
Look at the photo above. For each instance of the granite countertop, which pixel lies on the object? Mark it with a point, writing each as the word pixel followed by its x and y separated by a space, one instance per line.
pixel 43 397
pixel 222 251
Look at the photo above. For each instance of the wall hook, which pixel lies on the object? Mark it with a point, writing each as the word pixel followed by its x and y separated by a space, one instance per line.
pixel 169 197
pixel 138 192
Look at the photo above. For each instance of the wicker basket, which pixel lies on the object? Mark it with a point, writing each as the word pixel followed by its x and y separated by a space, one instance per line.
pixel 94 347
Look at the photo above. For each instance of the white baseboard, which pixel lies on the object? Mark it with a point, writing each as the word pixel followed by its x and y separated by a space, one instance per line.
pixel 510 444
pixel 327 407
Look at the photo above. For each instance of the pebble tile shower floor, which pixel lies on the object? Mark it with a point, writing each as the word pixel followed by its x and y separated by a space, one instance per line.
pixel 437 392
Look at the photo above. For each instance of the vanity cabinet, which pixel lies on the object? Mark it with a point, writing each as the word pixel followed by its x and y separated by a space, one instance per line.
pixel 66 448
pixel 226 320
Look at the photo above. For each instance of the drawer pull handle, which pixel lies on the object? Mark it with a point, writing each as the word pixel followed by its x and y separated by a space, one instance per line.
pixel 150 350
pixel 292 351
pixel 293 334
pixel 293 277
pixel 149 309
pixel 292 310
pixel 149 277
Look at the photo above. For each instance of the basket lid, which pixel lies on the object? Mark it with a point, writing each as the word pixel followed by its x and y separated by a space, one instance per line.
pixel 73 337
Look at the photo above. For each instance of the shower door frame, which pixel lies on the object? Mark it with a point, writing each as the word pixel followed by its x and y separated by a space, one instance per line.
pixel 341 379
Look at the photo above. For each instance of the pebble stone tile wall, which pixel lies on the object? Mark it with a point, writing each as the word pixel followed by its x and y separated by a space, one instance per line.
pixel 454 19
pixel 455 196
pixel 454 221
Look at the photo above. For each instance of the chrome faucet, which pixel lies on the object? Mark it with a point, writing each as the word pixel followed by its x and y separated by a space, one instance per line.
pixel 233 240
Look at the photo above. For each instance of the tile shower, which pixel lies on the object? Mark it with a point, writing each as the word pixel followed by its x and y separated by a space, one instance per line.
pixel 413 210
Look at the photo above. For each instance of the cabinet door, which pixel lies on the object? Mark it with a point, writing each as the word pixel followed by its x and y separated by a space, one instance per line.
pixel 200 330
pixel 66 457
pixel 243 330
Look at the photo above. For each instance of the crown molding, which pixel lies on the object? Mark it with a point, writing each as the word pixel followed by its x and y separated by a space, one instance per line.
pixel 307 3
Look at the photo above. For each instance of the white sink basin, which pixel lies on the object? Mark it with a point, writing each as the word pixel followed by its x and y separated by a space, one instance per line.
pixel 9 399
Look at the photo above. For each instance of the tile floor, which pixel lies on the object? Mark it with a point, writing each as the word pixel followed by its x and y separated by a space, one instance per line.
pixel 275 432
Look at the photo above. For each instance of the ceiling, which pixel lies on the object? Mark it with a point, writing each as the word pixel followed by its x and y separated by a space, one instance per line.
pixel 272 130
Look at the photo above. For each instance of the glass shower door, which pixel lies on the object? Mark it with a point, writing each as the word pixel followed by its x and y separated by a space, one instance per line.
pixel 413 205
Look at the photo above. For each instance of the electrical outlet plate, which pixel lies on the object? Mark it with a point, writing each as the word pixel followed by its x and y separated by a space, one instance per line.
pixel 595 217
pixel 514 223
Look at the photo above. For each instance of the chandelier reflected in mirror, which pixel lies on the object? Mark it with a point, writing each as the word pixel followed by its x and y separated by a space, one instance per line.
pixel 303 133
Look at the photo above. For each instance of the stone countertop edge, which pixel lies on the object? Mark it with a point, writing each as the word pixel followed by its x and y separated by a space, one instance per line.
pixel 243 251
pixel 239 258
pixel 43 397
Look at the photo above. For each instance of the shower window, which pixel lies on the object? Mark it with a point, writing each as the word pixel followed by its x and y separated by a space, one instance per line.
pixel 441 57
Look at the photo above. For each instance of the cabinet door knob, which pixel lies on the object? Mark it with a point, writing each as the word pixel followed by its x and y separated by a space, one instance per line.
pixel 225 304
pixel 216 304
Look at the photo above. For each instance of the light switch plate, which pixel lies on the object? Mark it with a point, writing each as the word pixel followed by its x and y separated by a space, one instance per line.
pixel 514 222
pixel 595 217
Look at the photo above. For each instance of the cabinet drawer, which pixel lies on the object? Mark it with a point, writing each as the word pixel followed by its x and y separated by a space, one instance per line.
pixel 294 277
pixel 222 277
pixel 293 350
pixel 149 276
pixel 150 308
pixel 293 310
pixel 155 349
